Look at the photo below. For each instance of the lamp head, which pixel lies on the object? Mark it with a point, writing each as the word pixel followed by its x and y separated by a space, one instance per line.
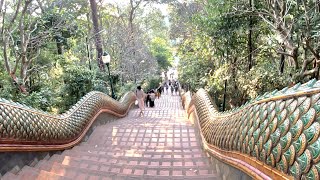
pixel 106 58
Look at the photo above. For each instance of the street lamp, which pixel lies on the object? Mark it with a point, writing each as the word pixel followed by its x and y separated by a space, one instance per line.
pixel 106 60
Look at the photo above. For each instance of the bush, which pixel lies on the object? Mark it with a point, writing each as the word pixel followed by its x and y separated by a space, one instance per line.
pixel 7 89
pixel 151 83
pixel 101 82
pixel 43 99
pixel 262 78
pixel 78 81
pixel 130 86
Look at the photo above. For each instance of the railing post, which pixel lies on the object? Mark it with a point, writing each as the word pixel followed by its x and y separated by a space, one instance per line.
pixel 111 85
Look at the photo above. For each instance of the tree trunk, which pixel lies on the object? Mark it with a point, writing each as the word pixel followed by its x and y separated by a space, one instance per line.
pixel 316 69
pixel 250 48
pixel 59 46
pixel 295 57
pixel 282 59
pixel 21 87
pixel 96 28
pixel 88 38
pixel 131 40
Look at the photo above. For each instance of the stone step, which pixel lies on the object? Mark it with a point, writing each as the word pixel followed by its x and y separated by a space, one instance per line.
pixel 79 162
pixel 93 155
pixel 153 144
pixel 119 151
pixel 141 147
pixel 9 176
pixel 75 171
pixel 32 173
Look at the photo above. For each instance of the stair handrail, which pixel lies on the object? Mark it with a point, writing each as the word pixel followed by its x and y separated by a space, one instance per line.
pixel 275 136
pixel 23 128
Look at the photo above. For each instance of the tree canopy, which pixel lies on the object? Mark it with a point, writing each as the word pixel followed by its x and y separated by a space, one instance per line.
pixel 51 49
pixel 253 46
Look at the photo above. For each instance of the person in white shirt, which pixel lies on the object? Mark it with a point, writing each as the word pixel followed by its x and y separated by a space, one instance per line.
pixel 140 95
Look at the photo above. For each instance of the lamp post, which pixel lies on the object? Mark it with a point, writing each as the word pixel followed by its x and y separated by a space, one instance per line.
pixel 106 60
pixel 224 95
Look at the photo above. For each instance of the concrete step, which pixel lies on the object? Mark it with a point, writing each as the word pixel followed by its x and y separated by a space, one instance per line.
pixel 99 156
pixel 141 147
pixel 32 173
pixel 188 153
pixel 101 170
pixel 144 143
pixel 9 176
pixel 79 162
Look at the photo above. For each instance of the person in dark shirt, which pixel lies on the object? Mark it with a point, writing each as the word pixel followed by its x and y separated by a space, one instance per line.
pixel 152 98
pixel 148 99
pixel 159 91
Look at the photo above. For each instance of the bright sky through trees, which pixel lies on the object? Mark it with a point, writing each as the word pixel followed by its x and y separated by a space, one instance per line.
pixel 162 7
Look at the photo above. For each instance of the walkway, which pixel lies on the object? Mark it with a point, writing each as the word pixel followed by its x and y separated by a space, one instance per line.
pixel 160 145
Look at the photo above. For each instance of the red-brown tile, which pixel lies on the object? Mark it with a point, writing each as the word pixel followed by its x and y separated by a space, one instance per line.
pixel 152 172
pixel 138 172
pixel 177 164
pixel 94 178
pixel 127 171
pixel 176 173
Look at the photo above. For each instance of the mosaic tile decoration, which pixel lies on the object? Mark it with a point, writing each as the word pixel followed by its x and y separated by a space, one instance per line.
pixel 21 125
pixel 280 129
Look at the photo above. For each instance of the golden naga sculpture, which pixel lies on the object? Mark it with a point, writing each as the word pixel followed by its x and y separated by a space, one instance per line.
pixel 273 136
pixel 26 129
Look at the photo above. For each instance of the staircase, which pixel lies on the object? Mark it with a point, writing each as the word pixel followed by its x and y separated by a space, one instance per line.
pixel 159 145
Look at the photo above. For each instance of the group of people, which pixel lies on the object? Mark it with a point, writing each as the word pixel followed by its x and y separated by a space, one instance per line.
pixel 147 99
pixel 151 96
pixel 174 87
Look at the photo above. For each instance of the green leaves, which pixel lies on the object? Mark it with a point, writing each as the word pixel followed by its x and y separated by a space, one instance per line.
pixel 42 99
pixel 161 50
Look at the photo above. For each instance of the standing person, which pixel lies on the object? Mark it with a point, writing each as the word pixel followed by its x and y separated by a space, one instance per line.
pixel 152 98
pixel 167 88
pixel 163 87
pixel 176 88
pixel 171 88
pixel 159 91
pixel 148 99
pixel 140 97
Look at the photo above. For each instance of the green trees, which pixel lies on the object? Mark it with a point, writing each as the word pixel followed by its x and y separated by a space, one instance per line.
pixel 255 46
pixel 161 51
pixel 47 58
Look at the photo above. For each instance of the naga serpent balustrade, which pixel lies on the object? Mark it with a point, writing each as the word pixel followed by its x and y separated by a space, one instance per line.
pixel 273 136
pixel 26 129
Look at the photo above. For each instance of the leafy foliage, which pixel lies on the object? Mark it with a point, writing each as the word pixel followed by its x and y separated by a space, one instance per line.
pixel 7 89
pixel 151 83
pixel 48 54
pixel 214 48
pixel 161 51
pixel 42 99
pixel 78 81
